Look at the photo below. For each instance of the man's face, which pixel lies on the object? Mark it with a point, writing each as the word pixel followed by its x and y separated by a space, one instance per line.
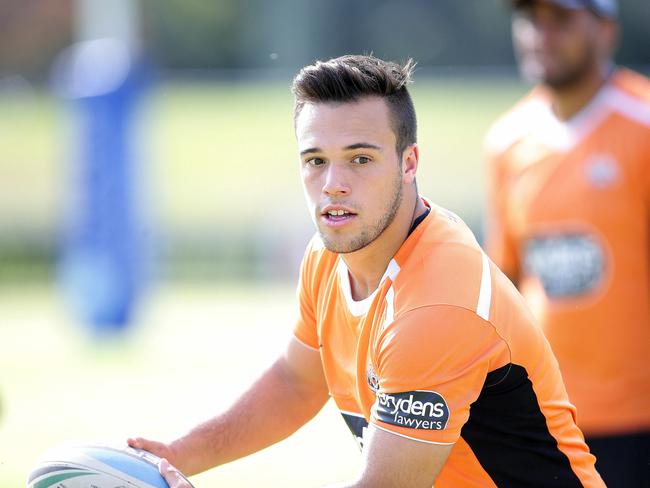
pixel 557 46
pixel 351 172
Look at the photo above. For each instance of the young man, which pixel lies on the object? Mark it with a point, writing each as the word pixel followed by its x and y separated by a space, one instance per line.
pixel 569 219
pixel 425 346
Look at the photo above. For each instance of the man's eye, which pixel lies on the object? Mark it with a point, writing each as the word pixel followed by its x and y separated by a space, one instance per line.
pixel 315 161
pixel 361 160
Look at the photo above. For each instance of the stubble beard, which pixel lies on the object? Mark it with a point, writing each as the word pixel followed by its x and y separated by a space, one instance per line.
pixel 569 78
pixel 369 233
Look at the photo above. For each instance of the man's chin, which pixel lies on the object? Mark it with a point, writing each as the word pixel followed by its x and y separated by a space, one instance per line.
pixel 552 78
pixel 340 246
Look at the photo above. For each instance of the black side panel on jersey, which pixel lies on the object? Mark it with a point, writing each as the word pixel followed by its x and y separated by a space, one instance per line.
pixel 357 425
pixel 508 434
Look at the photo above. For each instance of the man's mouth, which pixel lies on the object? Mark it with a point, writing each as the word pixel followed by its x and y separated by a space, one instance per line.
pixel 337 215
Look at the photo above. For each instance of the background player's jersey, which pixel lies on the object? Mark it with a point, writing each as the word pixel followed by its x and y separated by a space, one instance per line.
pixel 444 351
pixel 570 222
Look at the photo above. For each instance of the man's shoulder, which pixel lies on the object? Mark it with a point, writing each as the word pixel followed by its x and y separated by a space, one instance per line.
pixel 445 267
pixel 633 83
pixel 515 123
pixel 629 95
pixel 443 234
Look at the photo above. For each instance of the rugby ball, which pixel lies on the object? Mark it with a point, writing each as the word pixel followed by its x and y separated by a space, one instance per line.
pixel 96 466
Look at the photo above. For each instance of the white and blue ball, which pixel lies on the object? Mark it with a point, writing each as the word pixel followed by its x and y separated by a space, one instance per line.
pixel 96 466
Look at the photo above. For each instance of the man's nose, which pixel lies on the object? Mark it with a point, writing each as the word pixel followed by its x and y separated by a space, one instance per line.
pixel 336 180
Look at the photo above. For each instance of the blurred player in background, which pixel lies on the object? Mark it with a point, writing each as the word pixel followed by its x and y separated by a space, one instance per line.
pixel 569 219
pixel 425 346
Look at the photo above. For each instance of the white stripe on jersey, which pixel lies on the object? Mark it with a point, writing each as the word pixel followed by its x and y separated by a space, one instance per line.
pixel 485 293
pixel 361 307
pixel 628 106
pixel 392 270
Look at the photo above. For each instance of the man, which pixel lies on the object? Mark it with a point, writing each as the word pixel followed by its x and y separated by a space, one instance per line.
pixel 425 346
pixel 569 219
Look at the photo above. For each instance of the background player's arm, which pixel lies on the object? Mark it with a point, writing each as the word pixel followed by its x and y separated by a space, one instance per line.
pixel 279 402
pixel 391 460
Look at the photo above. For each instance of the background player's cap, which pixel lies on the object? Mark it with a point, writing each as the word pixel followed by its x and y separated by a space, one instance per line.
pixel 602 8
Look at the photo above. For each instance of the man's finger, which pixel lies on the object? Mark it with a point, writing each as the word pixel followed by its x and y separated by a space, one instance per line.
pixel 134 442
pixel 172 475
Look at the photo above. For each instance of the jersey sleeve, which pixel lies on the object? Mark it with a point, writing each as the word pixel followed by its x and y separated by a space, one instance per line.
pixel 305 328
pixel 499 242
pixel 431 365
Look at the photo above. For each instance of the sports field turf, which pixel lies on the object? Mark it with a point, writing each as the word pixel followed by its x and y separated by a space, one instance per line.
pixel 221 158
pixel 191 351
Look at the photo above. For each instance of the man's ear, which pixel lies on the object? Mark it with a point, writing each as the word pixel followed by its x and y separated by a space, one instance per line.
pixel 410 160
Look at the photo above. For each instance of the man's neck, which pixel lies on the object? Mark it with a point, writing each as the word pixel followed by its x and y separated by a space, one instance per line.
pixel 367 266
pixel 568 101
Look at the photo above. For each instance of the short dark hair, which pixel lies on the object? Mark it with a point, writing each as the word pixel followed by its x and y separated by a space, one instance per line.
pixel 351 77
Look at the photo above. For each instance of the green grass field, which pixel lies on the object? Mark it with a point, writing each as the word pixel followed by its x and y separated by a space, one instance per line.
pixel 221 158
pixel 191 351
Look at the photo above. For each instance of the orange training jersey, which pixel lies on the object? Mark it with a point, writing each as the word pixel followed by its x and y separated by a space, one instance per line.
pixel 570 223
pixel 444 351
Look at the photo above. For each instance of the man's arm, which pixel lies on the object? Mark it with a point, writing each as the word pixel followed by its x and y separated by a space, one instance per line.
pixel 392 460
pixel 284 398
pixel 388 461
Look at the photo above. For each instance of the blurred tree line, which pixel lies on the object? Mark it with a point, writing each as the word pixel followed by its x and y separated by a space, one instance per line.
pixel 286 34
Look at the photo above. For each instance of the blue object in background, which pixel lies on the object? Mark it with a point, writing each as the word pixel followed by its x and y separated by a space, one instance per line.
pixel 103 258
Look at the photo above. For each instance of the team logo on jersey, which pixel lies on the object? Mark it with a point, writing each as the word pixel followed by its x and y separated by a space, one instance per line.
pixel 420 409
pixel 602 171
pixel 373 379
pixel 567 265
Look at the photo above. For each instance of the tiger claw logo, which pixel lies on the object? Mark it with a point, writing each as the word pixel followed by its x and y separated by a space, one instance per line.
pixel 420 409
pixel 372 378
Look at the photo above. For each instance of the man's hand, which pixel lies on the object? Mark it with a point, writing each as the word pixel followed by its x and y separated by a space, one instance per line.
pixel 160 449
pixel 172 476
